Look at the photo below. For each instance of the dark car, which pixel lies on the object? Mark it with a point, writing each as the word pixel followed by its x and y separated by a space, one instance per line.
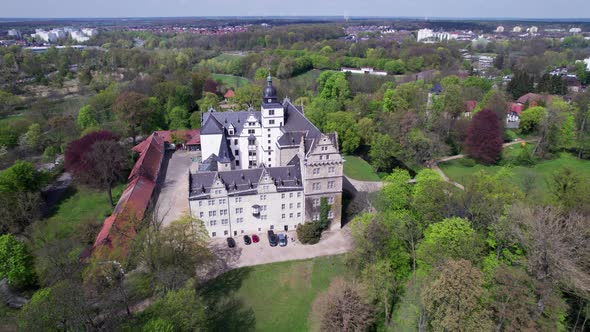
pixel 247 240
pixel 231 242
pixel 255 238
pixel 272 239
pixel 282 240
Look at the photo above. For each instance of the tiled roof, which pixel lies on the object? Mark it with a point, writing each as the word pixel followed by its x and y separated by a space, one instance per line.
pixel 150 158
pixel 193 136
pixel 471 105
pixel 118 229
pixel 229 94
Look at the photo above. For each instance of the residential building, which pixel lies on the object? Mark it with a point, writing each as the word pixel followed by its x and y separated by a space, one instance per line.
pixel 364 70
pixel 266 169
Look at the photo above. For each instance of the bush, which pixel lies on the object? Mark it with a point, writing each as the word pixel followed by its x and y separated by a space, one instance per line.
pixel 309 233
pixel 510 135
pixel 467 162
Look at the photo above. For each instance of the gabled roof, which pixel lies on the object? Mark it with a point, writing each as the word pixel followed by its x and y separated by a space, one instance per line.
pixel 229 94
pixel 210 125
pixel 151 154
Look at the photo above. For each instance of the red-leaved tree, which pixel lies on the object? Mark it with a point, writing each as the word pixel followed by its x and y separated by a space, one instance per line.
pixel 98 160
pixel 484 137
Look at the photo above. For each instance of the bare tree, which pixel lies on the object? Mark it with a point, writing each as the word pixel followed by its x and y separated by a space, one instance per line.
pixel 558 250
pixel 343 308
pixel 109 160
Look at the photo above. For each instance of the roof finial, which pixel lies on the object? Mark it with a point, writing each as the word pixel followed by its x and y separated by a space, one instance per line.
pixel 269 78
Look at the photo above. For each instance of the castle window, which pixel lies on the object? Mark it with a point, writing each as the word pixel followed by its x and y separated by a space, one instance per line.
pixel 290 195
pixel 200 203
pixel 321 157
pixel 290 205
pixel 222 201
pixel 263 197
pixel 238 199
pixel 237 152
pixel 236 141
pixel 330 200
pixel 316 171
pixel 271 112
pixel 201 214
pixel 331 215
pixel 211 202
pixel 330 184
pixel 224 221
pixel 237 163
pixel 316 186
pixel 290 215
pixel 299 205
pixel 282 195
pixel 299 194
pixel 331 169
pixel 271 122
pixel 251 131
pixel 283 216
pixel 213 234
pixel 316 202
pixel 212 222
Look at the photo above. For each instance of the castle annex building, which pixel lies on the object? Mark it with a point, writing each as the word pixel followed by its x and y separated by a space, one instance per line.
pixel 264 170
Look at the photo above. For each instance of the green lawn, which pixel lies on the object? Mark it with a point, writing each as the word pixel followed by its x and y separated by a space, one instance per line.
pixel 82 207
pixel 358 169
pixel 272 297
pixel 542 170
pixel 230 81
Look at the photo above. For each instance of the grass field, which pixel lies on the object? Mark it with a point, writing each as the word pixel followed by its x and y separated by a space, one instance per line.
pixel 358 169
pixel 82 206
pixel 230 81
pixel 542 170
pixel 272 297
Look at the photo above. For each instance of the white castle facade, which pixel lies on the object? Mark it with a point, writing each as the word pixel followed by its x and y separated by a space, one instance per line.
pixel 265 170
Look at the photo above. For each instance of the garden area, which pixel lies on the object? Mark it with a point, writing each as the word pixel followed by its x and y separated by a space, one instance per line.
pixel 271 297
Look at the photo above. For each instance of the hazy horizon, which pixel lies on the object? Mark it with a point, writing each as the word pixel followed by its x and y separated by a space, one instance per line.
pixel 453 9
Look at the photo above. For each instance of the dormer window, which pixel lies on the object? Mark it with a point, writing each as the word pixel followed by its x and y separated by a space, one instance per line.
pixel 231 131
pixel 270 100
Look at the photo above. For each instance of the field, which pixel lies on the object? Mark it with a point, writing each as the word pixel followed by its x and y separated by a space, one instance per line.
pixel 542 170
pixel 82 207
pixel 230 81
pixel 358 169
pixel 272 297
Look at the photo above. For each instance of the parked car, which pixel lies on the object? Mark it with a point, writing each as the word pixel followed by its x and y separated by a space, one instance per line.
pixel 282 240
pixel 231 242
pixel 255 238
pixel 272 238
pixel 247 240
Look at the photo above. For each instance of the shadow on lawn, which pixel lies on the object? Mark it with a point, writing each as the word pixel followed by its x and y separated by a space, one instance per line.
pixel 225 310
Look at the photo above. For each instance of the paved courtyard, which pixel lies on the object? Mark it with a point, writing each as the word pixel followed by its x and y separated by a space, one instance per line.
pixel 173 198
pixel 332 243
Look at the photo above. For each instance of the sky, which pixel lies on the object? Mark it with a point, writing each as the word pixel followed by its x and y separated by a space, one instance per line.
pixel 387 8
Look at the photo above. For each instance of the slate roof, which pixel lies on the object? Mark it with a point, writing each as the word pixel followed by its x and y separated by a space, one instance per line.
pixel 214 122
pixel 209 164
pixel 225 154
pixel 245 181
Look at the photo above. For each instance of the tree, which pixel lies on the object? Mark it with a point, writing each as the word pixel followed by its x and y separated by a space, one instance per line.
pixel 86 118
pixel 172 254
pixel 383 152
pixel 531 118
pixel 8 102
pixel 17 262
pixel 179 118
pixel 557 250
pixel 513 299
pixel 97 159
pixel 396 192
pixel 59 308
pixel 345 125
pixel 21 177
pixel 130 108
pixel 248 96
pixel 451 238
pixel 520 84
pixel 452 299
pixel 344 309
pixel 209 100
pixel 484 138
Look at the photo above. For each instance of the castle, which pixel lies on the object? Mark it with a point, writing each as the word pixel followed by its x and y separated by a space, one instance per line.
pixel 264 170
